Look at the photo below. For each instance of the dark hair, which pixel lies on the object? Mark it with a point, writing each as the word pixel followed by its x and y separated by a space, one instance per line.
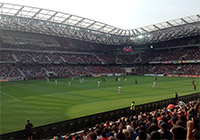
pixel 163 126
pixel 142 134
pixel 155 135
pixel 152 128
pixel 120 135
pixel 178 132
pixel 103 133
pixel 180 123
pixel 92 136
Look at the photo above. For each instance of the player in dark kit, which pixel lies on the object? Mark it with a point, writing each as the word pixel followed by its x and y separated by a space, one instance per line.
pixel 136 82
pixel 193 82
pixel 194 87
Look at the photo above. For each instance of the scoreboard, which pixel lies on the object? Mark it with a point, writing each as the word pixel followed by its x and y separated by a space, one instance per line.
pixel 127 49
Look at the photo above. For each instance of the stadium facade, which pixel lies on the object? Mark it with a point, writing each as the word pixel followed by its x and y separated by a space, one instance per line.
pixel 43 39
pixel 37 43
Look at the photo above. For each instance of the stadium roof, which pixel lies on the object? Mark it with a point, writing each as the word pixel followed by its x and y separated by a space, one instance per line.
pixel 79 23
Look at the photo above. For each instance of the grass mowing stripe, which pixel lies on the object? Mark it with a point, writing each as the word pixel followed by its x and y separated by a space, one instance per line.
pixel 45 103
pixel 10 96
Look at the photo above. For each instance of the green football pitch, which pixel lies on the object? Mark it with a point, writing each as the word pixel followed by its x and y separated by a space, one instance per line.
pixel 45 102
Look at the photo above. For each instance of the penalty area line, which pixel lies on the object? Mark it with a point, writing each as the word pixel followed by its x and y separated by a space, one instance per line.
pixel 10 96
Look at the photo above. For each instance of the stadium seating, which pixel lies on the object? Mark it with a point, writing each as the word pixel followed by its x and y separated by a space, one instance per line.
pixel 67 57
pixel 24 58
pixel 178 121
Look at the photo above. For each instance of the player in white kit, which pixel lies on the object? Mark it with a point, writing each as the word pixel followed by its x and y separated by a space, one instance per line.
pixel 56 82
pixel 98 83
pixel 69 83
pixel 154 84
pixel 118 79
pixel 120 89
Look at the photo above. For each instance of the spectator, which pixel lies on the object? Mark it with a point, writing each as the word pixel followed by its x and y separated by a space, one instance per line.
pixel 29 130
pixel 179 133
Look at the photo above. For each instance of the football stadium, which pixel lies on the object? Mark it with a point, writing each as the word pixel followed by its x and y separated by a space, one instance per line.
pixel 66 77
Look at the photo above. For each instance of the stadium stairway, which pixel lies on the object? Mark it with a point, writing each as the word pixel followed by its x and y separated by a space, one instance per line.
pixel 63 59
pixel 118 60
pixel 23 75
pixel 15 57
pixel 34 59
pixel 102 62
pixel 48 58
pixel 81 59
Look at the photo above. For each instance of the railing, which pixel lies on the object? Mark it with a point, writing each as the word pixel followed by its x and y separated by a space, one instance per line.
pixel 74 125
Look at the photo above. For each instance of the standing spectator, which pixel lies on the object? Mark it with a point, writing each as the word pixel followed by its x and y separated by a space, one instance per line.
pixel 28 130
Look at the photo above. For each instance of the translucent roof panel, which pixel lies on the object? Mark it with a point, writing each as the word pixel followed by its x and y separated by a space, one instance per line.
pixel 68 19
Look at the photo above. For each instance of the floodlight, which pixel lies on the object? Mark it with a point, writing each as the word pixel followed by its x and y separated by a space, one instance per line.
pixel 140 36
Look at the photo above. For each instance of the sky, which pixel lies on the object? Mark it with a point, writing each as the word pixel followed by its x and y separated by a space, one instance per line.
pixel 124 14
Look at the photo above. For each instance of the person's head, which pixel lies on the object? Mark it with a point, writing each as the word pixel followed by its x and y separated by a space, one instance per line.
pixel 155 135
pixel 91 136
pixel 98 132
pixel 133 102
pixel 180 123
pixel 112 138
pixel 86 131
pixel 178 132
pixel 163 126
pixel 120 135
pixel 28 121
pixel 152 128
pixel 127 134
pixel 103 134
pixel 142 134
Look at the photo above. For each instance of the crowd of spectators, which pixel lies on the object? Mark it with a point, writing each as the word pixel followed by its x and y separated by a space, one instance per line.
pixel 193 69
pixel 107 59
pixel 61 71
pixel 6 57
pixel 177 54
pixel 90 59
pixel 55 58
pixel 8 70
pixel 184 69
pixel 33 70
pixel 128 59
pixel 24 57
pixel 41 58
pixel 46 61
pixel 37 70
pixel 174 122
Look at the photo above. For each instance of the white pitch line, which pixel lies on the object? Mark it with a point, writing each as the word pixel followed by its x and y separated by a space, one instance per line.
pixel 11 96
